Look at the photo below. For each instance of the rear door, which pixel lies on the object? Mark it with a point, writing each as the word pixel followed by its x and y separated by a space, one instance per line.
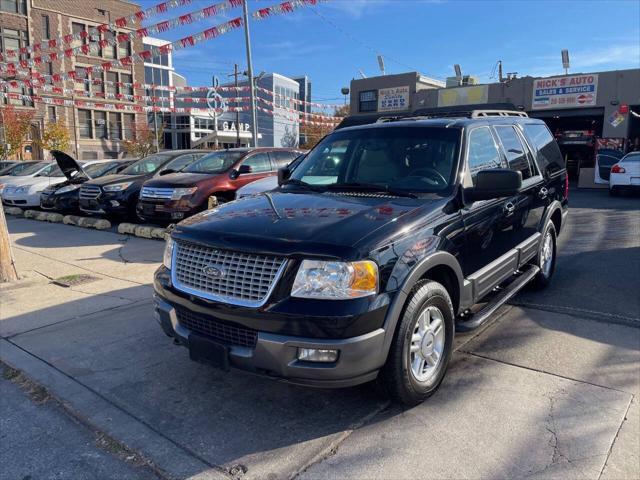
pixel 524 211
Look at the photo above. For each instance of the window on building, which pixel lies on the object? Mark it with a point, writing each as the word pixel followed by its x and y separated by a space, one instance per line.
pixel 368 101
pixel 48 68
pixel 100 122
pixel 84 124
pixel 128 120
pixel 46 30
pixel 14 6
pixel 81 80
pixel 112 79
pixel 515 151
pixel 11 39
pixel 124 49
pixel 483 152
pixel 109 51
pixel 114 126
pixel 77 29
pixel 52 115
pixel 127 78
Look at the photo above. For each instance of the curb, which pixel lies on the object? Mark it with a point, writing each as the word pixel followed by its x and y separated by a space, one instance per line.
pixel 43 216
pixel 87 222
pixel 15 211
pixel 143 231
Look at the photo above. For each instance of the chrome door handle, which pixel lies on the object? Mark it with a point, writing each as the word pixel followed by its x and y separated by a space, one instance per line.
pixel 543 193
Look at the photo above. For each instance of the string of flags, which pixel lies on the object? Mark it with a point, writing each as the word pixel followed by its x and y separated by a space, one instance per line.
pixel 137 17
pixel 185 42
pixel 282 8
pixel 95 47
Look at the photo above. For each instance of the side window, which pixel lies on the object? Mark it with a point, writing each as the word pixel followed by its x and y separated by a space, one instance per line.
pixel 483 152
pixel 549 155
pixel 515 152
pixel 282 159
pixel 179 163
pixel 258 162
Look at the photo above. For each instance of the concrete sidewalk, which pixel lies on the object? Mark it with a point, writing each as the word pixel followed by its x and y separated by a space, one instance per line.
pixel 541 392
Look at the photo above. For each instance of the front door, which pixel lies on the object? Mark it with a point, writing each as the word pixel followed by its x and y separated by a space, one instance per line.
pixel 260 165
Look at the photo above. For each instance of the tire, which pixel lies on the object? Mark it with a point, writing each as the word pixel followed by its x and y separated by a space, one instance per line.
pixel 547 264
pixel 429 301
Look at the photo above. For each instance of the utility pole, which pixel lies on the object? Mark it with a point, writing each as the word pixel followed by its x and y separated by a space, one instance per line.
pixel 235 74
pixel 155 117
pixel 247 38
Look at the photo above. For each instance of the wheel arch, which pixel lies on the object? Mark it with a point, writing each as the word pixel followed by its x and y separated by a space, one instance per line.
pixel 441 267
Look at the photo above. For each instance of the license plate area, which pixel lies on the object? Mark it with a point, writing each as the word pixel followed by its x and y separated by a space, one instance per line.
pixel 205 350
pixel 635 180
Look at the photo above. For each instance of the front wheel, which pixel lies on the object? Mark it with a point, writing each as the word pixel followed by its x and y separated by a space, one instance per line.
pixel 422 345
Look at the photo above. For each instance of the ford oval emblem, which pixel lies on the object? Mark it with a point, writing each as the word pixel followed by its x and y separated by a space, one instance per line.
pixel 213 271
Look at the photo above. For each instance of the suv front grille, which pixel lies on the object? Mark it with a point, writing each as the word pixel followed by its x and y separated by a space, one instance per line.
pixel 223 332
pixel 156 193
pixel 90 192
pixel 232 277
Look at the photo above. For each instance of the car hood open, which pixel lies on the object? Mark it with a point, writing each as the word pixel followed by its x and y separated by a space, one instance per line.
pixel 70 168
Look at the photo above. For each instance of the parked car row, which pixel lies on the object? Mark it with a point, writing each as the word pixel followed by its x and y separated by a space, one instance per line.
pixel 161 188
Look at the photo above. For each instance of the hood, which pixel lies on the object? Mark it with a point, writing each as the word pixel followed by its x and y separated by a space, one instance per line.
pixel 68 165
pixel 179 180
pixel 118 178
pixel 22 181
pixel 259 186
pixel 302 223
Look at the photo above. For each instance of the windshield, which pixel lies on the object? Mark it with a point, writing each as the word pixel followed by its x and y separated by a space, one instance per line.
pixel 412 159
pixel 53 170
pixel 96 170
pixel 216 162
pixel 147 165
pixel 30 169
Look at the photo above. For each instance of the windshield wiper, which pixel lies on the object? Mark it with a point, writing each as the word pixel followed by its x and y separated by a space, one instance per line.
pixel 300 183
pixel 371 187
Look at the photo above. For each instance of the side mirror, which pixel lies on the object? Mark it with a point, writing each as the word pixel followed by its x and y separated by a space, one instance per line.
pixel 244 169
pixel 494 183
pixel 283 175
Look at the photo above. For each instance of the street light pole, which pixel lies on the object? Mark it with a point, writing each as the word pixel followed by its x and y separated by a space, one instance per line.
pixel 247 38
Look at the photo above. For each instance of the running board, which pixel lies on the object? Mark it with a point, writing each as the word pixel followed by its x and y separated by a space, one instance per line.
pixel 500 299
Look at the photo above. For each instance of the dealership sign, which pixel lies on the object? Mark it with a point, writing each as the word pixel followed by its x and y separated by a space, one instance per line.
pixel 393 99
pixel 570 91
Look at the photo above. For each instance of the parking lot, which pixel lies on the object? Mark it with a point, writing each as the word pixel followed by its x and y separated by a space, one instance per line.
pixel 549 389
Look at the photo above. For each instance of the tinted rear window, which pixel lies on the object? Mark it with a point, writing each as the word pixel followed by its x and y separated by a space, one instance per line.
pixel 549 157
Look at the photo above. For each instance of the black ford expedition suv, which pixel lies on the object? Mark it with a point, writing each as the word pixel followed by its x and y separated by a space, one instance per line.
pixel 373 251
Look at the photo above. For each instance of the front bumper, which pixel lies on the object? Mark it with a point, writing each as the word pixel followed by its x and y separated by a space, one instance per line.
pixel 106 204
pixel 21 199
pixel 65 202
pixel 275 355
pixel 165 211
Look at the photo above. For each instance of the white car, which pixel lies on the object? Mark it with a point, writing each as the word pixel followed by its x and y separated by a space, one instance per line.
pixel 25 191
pixel 263 185
pixel 22 170
pixel 625 174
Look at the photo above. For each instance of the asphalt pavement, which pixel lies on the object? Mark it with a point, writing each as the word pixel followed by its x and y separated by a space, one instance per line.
pixel 548 390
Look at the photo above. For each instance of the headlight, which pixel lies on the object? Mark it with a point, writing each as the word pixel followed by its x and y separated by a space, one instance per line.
pixel 21 190
pixel 168 253
pixel 335 280
pixel 178 193
pixel 68 188
pixel 117 187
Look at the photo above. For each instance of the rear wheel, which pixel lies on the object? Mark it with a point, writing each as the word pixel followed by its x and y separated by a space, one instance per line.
pixel 422 345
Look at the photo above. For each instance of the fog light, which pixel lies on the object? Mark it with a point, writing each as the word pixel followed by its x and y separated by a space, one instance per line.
pixel 317 355
pixel 115 203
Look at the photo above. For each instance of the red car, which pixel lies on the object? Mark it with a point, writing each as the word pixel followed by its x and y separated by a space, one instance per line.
pixel 176 196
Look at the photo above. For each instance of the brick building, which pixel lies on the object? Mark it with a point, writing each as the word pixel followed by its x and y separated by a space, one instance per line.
pixel 98 132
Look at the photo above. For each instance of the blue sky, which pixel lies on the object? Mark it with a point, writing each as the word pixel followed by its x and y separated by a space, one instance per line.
pixel 331 43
